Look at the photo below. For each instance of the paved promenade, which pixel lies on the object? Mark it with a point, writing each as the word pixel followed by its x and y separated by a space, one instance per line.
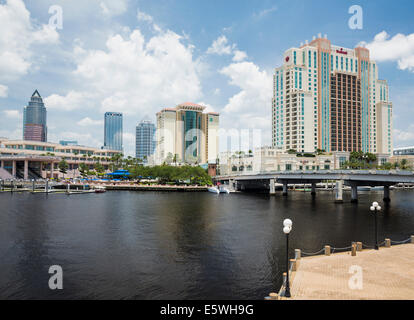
pixel 386 274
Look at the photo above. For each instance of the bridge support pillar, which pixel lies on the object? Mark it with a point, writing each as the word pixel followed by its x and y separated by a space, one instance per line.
pixel 26 170
pixel 14 169
pixel 313 192
pixel 285 188
pixel 354 193
pixel 272 190
pixel 339 191
pixel 387 194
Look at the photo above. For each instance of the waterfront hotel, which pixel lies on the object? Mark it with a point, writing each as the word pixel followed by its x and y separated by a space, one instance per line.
pixel 187 133
pixel 24 159
pixel 329 97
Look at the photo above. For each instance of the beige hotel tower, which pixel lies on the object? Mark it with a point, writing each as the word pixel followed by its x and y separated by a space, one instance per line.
pixel 329 97
pixel 188 133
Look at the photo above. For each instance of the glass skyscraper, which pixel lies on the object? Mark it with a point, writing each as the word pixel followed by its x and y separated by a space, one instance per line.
pixel 34 119
pixel 145 140
pixel 113 131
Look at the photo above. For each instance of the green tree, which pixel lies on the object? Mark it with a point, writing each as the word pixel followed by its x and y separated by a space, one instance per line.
pixel 63 167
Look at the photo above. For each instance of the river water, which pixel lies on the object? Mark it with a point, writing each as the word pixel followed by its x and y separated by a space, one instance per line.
pixel 155 245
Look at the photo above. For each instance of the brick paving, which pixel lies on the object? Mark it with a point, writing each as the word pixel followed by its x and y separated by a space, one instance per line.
pixel 387 274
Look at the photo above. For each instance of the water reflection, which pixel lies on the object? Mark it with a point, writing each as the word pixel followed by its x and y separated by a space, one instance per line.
pixel 127 245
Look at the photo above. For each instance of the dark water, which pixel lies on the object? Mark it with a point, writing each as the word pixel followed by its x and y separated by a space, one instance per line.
pixel 130 245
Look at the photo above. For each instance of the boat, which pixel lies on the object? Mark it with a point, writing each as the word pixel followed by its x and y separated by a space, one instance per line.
pixel 100 189
pixel 223 189
pixel 213 190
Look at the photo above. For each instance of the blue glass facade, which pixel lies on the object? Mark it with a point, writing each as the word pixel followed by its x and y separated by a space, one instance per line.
pixel 35 115
pixel 113 131
pixel 192 127
pixel 145 140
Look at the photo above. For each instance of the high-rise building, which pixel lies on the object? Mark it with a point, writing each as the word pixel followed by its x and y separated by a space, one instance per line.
pixel 145 140
pixel 188 134
pixel 34 119
pixel 113 131
pixel 329 97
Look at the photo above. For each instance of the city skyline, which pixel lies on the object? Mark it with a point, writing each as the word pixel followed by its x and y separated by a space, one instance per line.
pixel 208 68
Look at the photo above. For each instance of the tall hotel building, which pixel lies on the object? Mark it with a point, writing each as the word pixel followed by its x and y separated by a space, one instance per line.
pixel 188 133
pixel 145 140
pixel 329 97
pixel 113 131
pixel 34 119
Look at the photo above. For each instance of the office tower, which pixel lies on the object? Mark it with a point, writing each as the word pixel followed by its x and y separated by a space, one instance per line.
pixel 34 119
pixel 187 133
pixel 113 131
pixel 145 140
pixel 329 97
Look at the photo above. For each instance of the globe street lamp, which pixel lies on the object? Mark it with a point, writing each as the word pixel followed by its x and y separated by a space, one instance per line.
pixel 287 227
pixel 376 208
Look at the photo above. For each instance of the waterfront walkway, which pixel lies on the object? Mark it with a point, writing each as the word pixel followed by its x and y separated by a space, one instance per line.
pixel 387 274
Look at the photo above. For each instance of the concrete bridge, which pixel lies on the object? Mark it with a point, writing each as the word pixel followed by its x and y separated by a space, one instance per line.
pixel 351 178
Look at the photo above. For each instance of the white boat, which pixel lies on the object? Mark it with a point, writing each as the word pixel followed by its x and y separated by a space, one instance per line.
pixel 214 190
pixel 100 189
pixel 223 189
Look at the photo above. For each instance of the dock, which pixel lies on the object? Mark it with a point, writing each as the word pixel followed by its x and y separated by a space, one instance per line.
pixel 385 274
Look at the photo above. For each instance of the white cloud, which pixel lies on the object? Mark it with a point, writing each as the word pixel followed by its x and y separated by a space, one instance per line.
pixel 133 75
pixel 399 48
pixel 87 122
pixel 402 137
pixel 142 16
pixel 17 37
pixel 220 46
pixel 239 56
pixel 250 108
pixel 4 91
pixel 13 114
pixel 113 8
pixel 264 12
pixel 72 101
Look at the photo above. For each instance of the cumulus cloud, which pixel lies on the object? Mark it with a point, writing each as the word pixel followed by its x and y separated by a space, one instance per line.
pixel 221 46
pixel 73 100
pixel 87 122
pixel 17 37
pixel 133 75
pixel 398 48
pixel 250 108
pixel 113 8
pixel 4 91
pixel 403 137
pixel 13 114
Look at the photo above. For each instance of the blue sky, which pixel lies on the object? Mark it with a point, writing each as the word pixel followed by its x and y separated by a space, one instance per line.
pixel 138 56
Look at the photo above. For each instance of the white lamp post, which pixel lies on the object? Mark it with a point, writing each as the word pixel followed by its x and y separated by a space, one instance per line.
pixel 287 227
pixel 375 208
